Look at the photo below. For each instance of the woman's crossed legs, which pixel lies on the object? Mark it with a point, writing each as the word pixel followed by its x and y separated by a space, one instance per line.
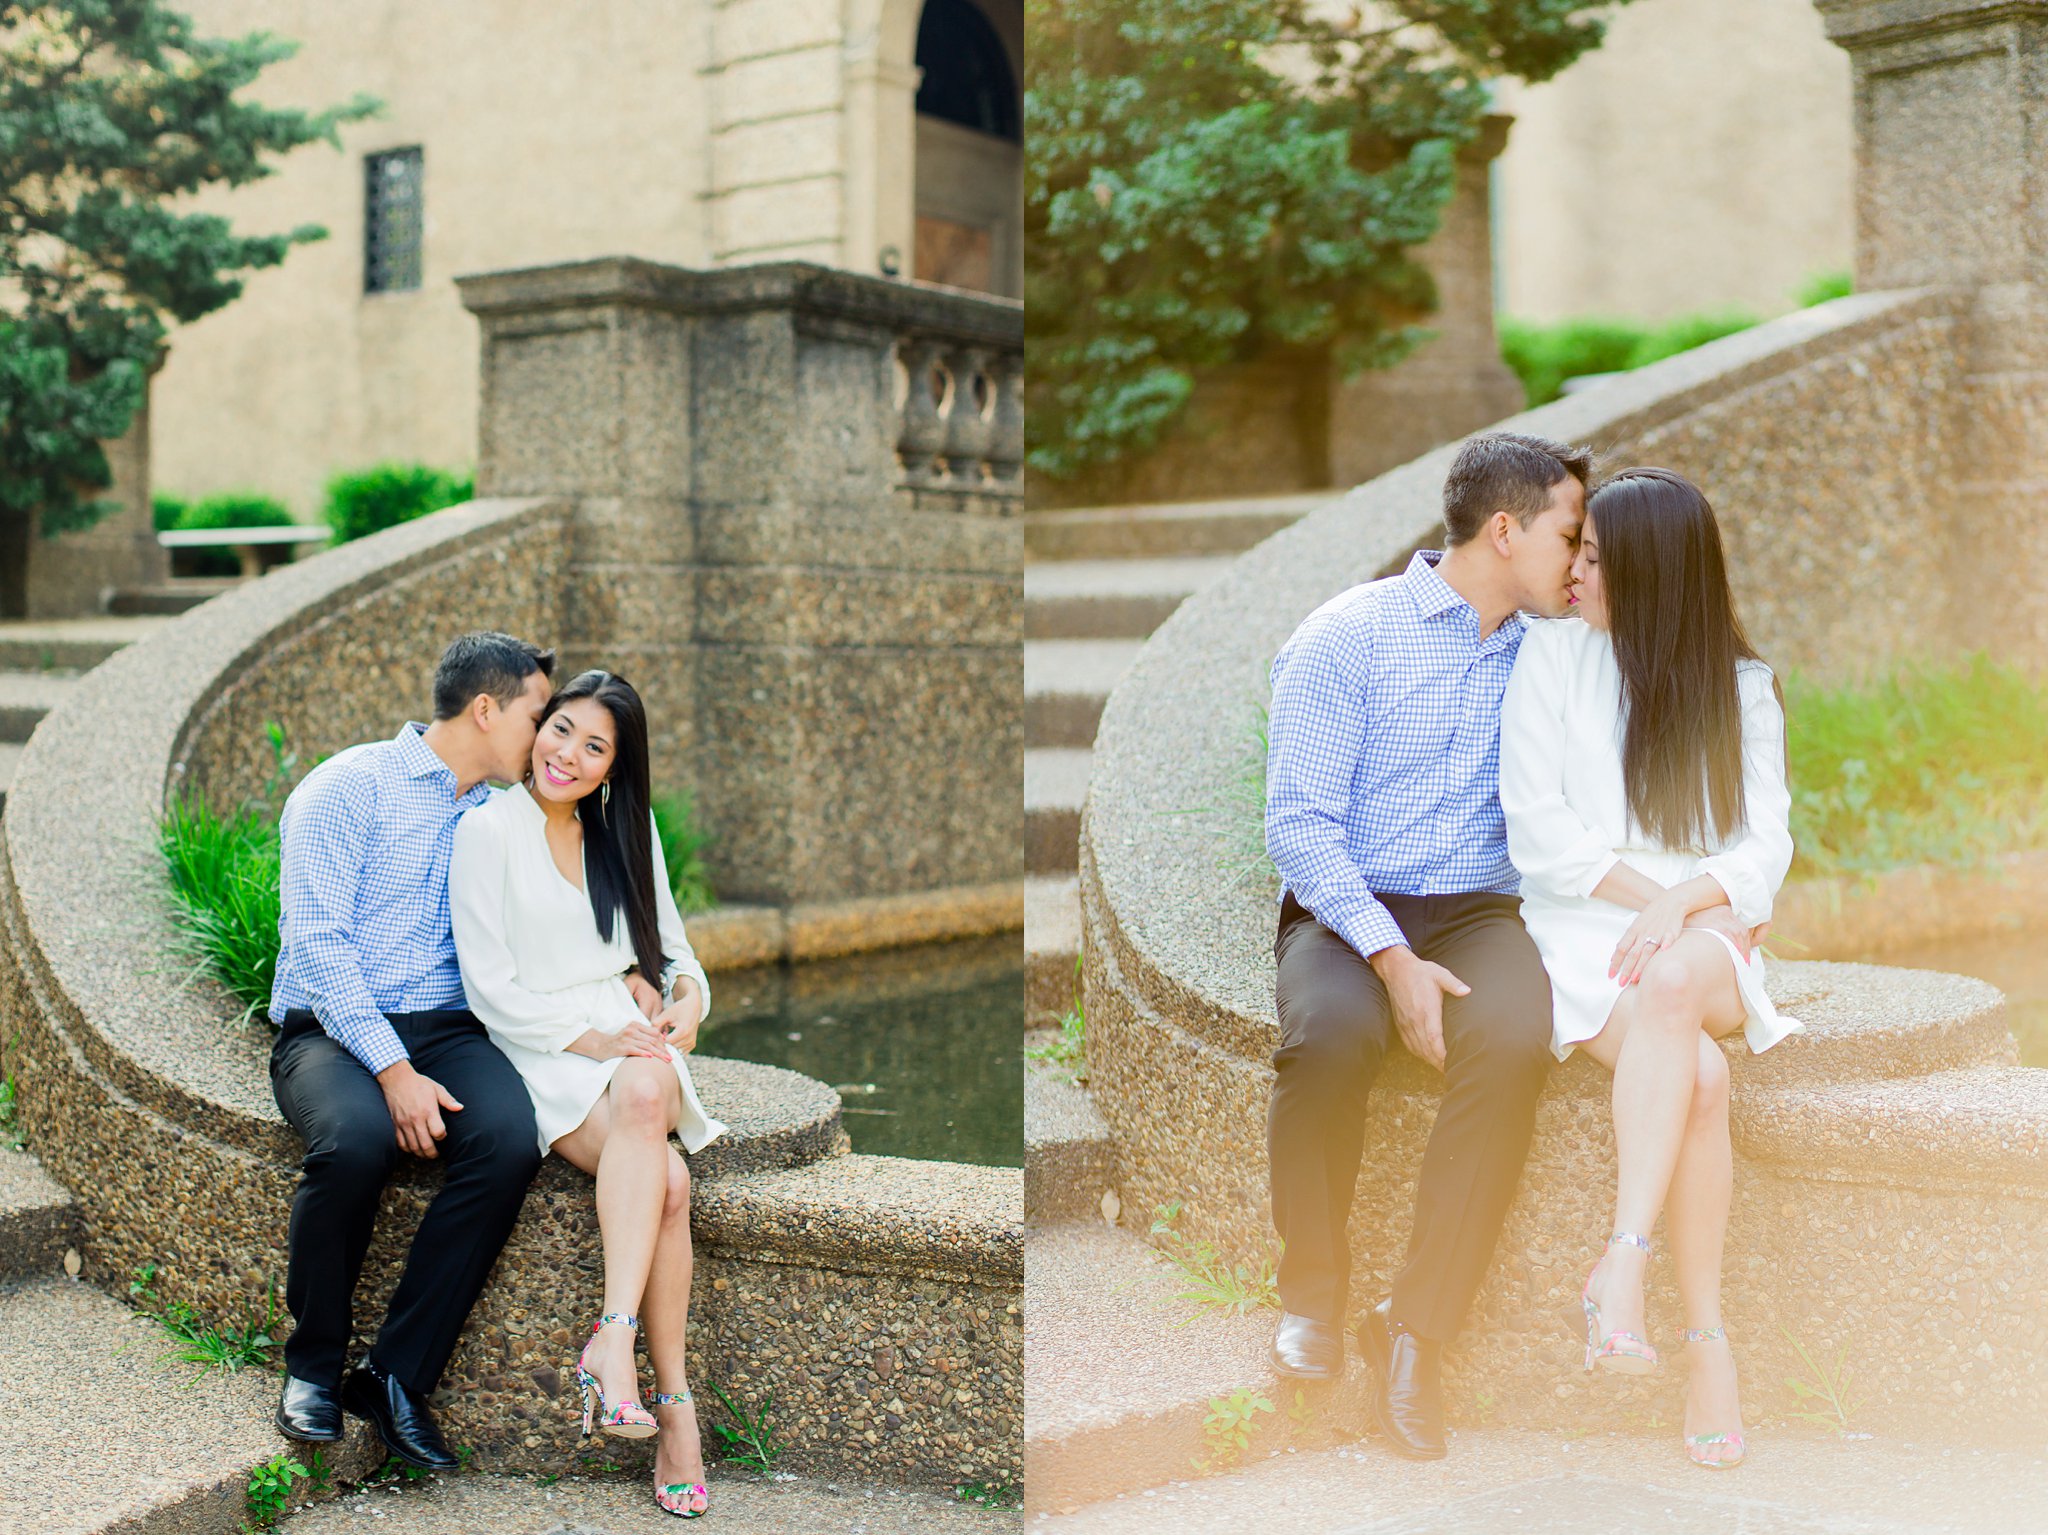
pixel 643 1211
pixel 1671 1142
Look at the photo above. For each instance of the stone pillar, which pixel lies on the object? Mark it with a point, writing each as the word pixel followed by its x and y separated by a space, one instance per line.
pixel 74 574
pixel 1952 190
pixel 1457 383
pixel 796 535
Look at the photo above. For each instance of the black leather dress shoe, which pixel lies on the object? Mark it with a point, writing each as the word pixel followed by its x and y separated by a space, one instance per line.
pixel 1408 1389
pixel 308 1413
pixel 1305 1349
pixel 401 1416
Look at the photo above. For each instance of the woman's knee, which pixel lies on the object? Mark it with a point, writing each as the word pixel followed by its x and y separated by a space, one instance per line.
pixel 640 1100
pixel 1672 991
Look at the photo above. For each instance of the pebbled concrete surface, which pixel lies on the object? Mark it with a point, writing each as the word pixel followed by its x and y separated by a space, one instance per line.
pixel 1796 1481
pixel 741 1504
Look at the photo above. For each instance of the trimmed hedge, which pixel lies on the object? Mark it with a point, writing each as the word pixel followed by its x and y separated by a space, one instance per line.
pixel 370 500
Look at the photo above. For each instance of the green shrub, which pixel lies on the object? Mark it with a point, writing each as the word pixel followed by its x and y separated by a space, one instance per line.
pixel 236 509
pixel 1544 356
pixel 1685 333
pixel 1824 286
pixel 168 510
pixel 682 848
pixel 372 500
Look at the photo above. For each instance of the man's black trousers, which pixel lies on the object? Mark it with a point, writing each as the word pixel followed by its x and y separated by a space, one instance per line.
pixel 1335 1027
pixel 491 1153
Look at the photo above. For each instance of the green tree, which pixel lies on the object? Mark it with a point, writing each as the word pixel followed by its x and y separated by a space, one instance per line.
pixel 110 110
pixel 1209 179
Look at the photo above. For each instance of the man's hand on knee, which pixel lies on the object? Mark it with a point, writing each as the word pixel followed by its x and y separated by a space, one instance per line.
pixel 416 1103
pixel 1416 990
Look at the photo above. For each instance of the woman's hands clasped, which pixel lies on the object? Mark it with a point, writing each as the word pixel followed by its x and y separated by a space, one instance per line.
pixel 1655 928
pixel 659 1031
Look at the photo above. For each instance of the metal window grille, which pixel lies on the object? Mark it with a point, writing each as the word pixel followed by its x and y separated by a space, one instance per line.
pixel 392 221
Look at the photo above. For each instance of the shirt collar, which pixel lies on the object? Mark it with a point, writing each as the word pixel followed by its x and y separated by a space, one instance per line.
pixel 1431 592
pixel 422 761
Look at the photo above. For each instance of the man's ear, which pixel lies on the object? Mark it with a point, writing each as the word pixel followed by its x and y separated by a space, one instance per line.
pixel 1497 531
pixel 483 709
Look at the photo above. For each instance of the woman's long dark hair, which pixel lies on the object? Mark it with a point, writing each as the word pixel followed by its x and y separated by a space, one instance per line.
pixel 618 847
pixel 1677 642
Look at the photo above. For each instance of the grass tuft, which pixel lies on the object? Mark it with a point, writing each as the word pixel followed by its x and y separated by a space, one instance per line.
pixel 1212 1282
pixel 682 848
pixel 196 1341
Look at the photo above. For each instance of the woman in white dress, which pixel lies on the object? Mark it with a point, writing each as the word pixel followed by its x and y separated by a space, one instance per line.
pixel 1642 774
pixel 574 957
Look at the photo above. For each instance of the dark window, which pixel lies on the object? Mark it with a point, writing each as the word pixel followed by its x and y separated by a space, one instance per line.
pixel 391 221
pixel 967 77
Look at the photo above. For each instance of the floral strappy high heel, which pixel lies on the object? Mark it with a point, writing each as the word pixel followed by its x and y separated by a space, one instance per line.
pixel 1699 1448
pixel 628 1419
pixel 1622 1352
pixel 686 1500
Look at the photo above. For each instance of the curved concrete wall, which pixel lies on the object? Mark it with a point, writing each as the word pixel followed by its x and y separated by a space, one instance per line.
pixel 1893 1166
pixel 877 1299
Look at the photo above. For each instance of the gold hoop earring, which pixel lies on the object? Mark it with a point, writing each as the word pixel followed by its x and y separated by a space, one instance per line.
pixel 604 799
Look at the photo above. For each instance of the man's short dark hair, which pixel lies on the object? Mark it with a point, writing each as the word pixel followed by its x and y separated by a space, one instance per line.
pixel 486 662
pixel 1506 472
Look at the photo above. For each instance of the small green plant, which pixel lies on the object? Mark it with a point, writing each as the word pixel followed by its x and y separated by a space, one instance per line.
pixel 752 1444
pixel 1070 1049
pixel 1241 806
pixel 224 874
pixel 372 500
pixel 196 1341
pixel 1301 1412
pixel 682 849
pixel 270 1489
pixel 990 1494
pixel 1227 1430
pixel 10 1126
pixel 1828 1399
pixel 1213 1282
pixel 395 1469
pixel 547 1479
pixel 1823 287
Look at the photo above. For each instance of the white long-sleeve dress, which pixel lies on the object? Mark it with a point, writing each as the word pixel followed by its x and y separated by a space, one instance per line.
pixel 537 973
pixel 1568 824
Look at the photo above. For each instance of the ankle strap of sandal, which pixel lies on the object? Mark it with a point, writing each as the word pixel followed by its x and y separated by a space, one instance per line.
pixel 670 1398
pixel 610 1317
pixel 1703 1334
pixel 1632 1240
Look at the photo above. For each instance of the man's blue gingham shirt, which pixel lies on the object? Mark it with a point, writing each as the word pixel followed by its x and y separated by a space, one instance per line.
pixel 365 923
pixel 1383 770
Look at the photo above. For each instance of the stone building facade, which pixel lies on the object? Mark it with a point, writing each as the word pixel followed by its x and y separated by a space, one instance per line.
pixel 1701 158
pixel 705 134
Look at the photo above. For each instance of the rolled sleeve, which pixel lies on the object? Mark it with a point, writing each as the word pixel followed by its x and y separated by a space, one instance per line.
pixel 1316 737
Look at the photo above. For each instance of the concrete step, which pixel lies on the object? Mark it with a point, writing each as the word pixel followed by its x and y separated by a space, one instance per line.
pixel 68 644
pixel 1111 599
pixel 38 1222
pixel 1119 1373
pixel 1055 784
pixel 1142 532
pixel 1052 942
pixel 1066 683
pixel 1069 1159
pixel 1531 1480
pixel 179 595
pixel 102 1436
pixel 25 697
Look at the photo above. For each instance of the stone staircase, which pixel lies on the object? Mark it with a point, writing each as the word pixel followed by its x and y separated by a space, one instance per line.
pixel 101 1435
pixel 1097 582
pixel 39 662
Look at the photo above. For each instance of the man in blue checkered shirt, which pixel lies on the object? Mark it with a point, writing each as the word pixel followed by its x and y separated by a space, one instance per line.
pixel 1400 915
pixel 377 1052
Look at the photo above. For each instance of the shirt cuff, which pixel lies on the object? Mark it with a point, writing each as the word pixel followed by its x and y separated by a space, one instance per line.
pixel 1748 897
pixel 376 1045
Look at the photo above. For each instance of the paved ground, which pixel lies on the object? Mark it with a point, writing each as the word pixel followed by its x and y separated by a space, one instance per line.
pixel 740 1505
pixel 1526 1482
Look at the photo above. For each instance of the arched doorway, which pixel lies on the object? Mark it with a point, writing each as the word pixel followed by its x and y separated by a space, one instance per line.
pixel 970 150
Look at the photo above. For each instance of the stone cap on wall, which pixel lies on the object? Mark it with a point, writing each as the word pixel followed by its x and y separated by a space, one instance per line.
pixel 801 287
